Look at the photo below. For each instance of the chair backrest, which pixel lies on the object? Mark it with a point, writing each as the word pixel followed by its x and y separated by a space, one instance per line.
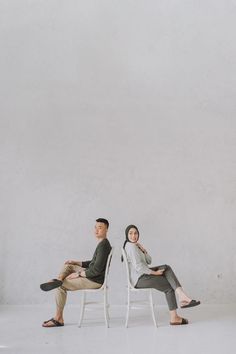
pixel 107 268
pixel 124 255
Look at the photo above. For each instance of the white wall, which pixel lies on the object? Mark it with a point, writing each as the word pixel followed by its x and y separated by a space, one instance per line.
pixel 125 110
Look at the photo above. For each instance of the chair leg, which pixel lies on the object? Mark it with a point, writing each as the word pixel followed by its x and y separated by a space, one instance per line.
pixel 106 314
pixel 82 308
pixel 128 308
pixel 152 308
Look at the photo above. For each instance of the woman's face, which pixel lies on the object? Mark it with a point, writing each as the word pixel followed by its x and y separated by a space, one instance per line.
pixel 133 235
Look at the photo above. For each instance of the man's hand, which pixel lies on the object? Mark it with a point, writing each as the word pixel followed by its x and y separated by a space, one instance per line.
pixel 73 276
pixel 71 262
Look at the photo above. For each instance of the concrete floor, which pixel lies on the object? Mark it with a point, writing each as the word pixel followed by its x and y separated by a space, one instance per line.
pixel 212 329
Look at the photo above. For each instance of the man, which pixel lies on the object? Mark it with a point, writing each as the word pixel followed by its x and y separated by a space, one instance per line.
pixel 77 275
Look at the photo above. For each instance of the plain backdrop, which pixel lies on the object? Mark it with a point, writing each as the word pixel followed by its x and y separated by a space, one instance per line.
pixel 123 110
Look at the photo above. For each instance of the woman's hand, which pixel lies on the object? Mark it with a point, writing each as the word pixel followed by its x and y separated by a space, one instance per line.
pixel 158 272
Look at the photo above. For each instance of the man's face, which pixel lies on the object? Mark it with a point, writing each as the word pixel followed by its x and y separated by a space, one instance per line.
pixel 100 230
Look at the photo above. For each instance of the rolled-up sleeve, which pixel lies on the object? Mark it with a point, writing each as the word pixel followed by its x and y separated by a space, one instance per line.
pixel 148 258
pixel 85 264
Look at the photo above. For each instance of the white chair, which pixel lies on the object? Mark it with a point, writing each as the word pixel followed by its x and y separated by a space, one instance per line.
pixel 132 289
pixel 102 290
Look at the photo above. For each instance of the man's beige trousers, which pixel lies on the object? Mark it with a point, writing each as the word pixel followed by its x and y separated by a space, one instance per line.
pixel 72 284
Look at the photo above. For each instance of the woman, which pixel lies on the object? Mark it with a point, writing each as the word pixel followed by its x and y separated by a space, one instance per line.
pixel 161 278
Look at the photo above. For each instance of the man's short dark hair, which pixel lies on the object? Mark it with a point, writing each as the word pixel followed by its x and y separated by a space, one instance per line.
pixel 104 221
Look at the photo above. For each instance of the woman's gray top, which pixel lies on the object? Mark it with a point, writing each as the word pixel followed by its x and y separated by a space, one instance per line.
pixel 138 262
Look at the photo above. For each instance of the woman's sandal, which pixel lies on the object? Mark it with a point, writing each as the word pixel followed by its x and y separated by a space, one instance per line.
pixel 183 322
pixel 52 284
pixel 192 303
pixel 55 323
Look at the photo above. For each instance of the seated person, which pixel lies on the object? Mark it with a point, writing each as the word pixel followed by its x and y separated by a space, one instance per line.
pixel 161 278
pixel 77 275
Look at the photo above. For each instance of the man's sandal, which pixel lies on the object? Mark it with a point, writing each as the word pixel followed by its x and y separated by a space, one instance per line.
pixel 55 323
pixel 52 284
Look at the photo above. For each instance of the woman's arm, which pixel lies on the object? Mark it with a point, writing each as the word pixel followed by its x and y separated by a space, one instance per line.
pixel 147 256
pixel 133 253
